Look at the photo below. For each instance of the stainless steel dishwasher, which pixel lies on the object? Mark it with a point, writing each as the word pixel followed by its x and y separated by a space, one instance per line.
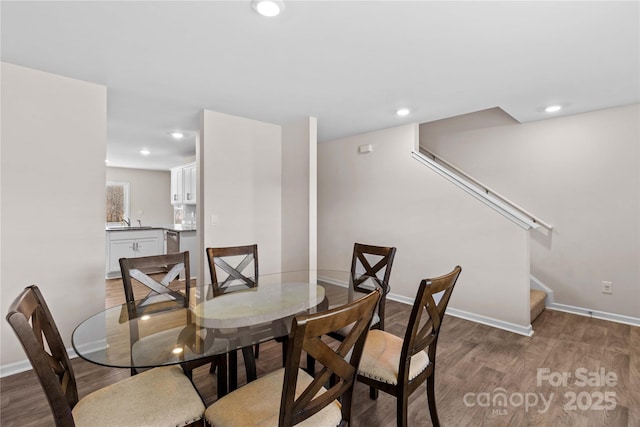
pixel 173 242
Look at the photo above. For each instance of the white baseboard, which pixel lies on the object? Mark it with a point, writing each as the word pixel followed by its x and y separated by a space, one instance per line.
pixel 331 281
pixel 581 311
pixel 596 314
pixel 24 365
pixel 511 327
pixel 490 321
pixel 14 368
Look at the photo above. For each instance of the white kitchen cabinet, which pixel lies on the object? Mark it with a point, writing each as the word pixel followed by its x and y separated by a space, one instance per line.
pixel 183 185
pixel 189 184
pixel 131 244
pixel 177 186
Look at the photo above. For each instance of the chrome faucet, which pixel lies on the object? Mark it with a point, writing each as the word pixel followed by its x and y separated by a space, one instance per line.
pixel 126 221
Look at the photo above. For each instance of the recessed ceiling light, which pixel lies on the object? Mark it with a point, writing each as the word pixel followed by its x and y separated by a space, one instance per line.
pixel 145 152
pixel 268 7
pixel 403 112
pixel 177 350
pixel 177 135
pixel 553 108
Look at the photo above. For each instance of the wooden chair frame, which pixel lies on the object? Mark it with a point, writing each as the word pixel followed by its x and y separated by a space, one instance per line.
pixel 418 338
pixel 176 264
pixel 133 268
pixel 306 333
pixel 358 257
pixel 31 320
pixel 53 369
pixel 387 255
pixel 216 258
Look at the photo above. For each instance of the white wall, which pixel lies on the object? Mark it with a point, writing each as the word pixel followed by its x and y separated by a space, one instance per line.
pixel 53 197
pixel 240 203
pixel 386 198
pixel 580 173
pixel 299 195
pixel 149 194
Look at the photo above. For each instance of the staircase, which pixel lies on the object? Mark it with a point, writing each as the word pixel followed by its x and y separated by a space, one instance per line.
pixel 536 303
pixel 495 201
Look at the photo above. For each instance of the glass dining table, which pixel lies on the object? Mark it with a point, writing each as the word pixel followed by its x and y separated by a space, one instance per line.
pixel 168 333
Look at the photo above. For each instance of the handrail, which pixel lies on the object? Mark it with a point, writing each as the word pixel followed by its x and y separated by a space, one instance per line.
pixel 485 189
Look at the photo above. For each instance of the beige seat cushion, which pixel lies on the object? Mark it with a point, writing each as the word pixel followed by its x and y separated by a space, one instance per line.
pixel 381 358
pixel 258 404
pixel 158 397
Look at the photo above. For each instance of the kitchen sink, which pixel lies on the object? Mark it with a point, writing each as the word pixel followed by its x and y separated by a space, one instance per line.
pixel 126 227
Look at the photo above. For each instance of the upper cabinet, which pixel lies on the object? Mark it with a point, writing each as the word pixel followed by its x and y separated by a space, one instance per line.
pixel 189 181
pixel 176 185
pixel 183 185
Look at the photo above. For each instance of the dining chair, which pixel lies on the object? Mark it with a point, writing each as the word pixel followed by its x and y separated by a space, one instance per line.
pixel 371 262
pixel 368 264
pixel 165 293
pixel 233 269
pixel 290 396
pixel 160 396
pixel 226 277
pixel 145 271
pixel 398 366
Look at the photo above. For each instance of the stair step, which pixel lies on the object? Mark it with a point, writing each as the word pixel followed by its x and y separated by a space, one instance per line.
pixel 536 303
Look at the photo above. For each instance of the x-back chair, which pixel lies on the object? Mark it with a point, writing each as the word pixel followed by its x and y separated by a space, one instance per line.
pixel 165 293
pixel 160 396
pixel 399 366
pixel 290 396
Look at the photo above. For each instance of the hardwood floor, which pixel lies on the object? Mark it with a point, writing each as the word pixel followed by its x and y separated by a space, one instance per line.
pixel 476 366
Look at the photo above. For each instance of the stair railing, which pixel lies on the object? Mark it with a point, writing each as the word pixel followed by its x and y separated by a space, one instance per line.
pixel 480 191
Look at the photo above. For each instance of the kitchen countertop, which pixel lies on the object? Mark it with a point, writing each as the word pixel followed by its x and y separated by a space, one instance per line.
pixel 170 227
pixel 178 227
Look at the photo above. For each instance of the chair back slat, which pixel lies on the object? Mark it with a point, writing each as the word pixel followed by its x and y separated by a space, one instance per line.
pixel 138 269
pixel 339 366
pixel 36 330
pixel 362 272
pixel 239 277
pixel 361 268
pixel 422 335
pixel 234 273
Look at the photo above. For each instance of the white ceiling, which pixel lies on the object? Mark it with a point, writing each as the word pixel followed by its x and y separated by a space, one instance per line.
pixel 350 64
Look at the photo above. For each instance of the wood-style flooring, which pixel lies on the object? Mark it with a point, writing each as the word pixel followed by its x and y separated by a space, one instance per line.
pixel 478 368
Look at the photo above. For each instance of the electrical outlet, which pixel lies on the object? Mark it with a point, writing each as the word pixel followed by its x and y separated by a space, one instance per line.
pixel 607 287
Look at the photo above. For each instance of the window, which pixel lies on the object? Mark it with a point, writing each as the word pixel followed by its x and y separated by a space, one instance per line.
pixel 117 202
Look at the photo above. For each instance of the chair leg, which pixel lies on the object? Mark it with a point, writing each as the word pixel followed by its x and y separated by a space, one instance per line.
pixel 233 370
pixel 373 392
pixel 256 350
pixel 222 378
pixel 311 365
pixel 284 341
pixel 285 345
pixel 249 363
pixel 431 398
pixel 187 372
pixel 402 402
